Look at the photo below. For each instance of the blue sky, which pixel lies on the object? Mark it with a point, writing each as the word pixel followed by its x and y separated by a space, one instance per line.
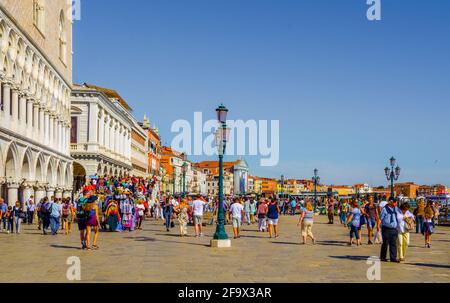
pixel 349 93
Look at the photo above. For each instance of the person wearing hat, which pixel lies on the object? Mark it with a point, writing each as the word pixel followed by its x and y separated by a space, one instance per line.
pixel 389 230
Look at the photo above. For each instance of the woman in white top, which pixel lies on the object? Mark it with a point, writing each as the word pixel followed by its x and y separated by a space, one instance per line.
pixel 406 223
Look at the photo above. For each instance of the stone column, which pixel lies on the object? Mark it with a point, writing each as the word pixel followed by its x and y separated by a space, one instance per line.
pixel 14 108
pixel 6 94
pixel 35 123
pixel 23 112
pixel 28 191
pixel 101 129
pixel 66 193
pixel 111 136
pixel 106 139
pixel 39 193
pixel 29 120
pixel 45 126
pixel 92 127
pixel 50 192
pixel 58 193
pixel 51 130
pixel 13 193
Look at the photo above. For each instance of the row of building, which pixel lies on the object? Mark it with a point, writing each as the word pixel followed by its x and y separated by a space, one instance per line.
pixel 55 135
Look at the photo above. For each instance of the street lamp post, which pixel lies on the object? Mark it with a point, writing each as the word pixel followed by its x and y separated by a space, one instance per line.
pixel 282 186
pixel 174 178
pixel 316 180
pixel 220 238
pixel 184 170
pixel 392 174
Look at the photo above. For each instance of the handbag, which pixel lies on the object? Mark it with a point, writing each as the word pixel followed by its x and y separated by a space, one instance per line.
pixel 22 215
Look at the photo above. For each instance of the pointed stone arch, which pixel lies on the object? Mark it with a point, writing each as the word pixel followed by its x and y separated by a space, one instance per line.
pixel 40 166
pixel 27 165
pixel 11 161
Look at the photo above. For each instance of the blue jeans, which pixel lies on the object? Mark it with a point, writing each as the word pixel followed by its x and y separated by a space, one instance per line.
pixel 17 222
pixel 54 224
pixel 419 224
pixel 167 216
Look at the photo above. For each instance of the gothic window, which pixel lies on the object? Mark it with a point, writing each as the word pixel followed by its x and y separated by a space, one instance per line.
pixel 39 15
pixel 62 38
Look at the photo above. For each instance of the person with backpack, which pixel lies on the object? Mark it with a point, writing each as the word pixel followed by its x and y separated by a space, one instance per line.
pixel 406 225
pixel 354 221
pixel 55 216
pixel 389 230
pixel 81 217
pixel 45 211
pixel 67 216
pixel 10 219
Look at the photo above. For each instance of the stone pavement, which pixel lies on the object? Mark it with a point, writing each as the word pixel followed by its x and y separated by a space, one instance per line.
pixel 153 255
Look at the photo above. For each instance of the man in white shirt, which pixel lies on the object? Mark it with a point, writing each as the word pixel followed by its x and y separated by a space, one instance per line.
pixel 237 212
pixel 197 209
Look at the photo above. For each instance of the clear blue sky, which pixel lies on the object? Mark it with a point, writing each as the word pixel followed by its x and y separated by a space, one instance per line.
pixel 349 93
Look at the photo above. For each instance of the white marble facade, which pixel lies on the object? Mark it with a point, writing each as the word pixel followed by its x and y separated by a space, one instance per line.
pixel 34 120
pixel 101 139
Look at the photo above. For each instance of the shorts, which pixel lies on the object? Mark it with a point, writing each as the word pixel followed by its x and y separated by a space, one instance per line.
pixel 427 228
pixel 198 220
pixel 272 221
pixel 354 232
pixel 81 224
pixel 371 223
pixel 237 222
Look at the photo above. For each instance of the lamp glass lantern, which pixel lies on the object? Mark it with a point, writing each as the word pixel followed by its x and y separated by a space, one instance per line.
pixel 184 167
pixel 222 112
pixel 392 160
pixel 387 171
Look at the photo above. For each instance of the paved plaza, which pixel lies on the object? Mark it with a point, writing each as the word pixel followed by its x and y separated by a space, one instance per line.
pixel 153 255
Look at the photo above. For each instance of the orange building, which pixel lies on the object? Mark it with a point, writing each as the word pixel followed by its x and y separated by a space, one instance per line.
pixel 408 189
pixel 268 186
pixel 154 147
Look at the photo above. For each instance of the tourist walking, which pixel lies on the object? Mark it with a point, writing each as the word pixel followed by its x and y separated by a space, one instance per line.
pixel 306 222
pixel 183 217
pixel 18 215
pixel 247 211
pixel 262 214
pixel 272 218
pixel 81 217
pixel 92 222
pixel 389 231
pixel 252 211
pixel 236 211
pixel 67 216
pixel 330 211
pixel 406 220
pixel 419 213
pixel 3 219
pixel 197 210
pixel 55 216
pixel 31 208
pixel 427 229
pixel 354 222
pixel 45 210
pixel 371 211
pixel 168 211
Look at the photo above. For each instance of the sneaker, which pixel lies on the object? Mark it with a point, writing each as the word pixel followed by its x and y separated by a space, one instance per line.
pixel 370 242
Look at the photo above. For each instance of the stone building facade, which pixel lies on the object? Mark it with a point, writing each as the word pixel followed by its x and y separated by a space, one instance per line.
pixel 101 133
pixel 35 80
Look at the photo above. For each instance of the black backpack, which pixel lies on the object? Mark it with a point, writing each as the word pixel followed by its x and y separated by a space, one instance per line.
pixel 81 214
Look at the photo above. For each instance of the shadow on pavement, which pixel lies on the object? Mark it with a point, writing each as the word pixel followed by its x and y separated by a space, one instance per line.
pixel 65 246
pixel 288 243
pixel 333 243
pixel 430 265
pixel 354 258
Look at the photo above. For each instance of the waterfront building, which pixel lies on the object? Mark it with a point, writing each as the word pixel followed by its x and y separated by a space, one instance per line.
pixel 101 133
pixel 35 85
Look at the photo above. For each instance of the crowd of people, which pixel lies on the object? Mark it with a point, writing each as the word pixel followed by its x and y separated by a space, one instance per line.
pixel 122 204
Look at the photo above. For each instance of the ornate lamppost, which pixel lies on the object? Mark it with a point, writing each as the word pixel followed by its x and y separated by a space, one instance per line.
pixel 282 186
pixel 220 238
pixel 174 175
pixel 392 174
pixel 184 168
pixel 316 180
